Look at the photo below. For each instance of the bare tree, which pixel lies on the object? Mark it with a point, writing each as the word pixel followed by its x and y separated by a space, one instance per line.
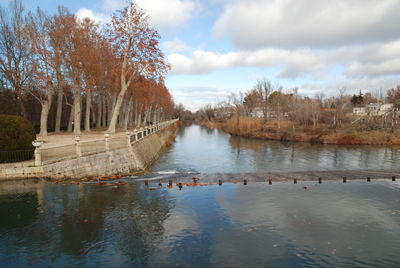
pixel 15 50
pixel 264 88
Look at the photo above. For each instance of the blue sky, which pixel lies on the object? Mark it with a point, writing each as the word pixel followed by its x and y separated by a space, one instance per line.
pixel 220 47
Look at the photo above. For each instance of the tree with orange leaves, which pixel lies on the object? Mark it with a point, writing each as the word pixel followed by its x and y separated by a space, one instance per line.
pixel 136 44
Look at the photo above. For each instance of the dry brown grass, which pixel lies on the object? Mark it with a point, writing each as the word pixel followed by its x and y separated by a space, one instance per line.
pixel 254 128
pixel 245 125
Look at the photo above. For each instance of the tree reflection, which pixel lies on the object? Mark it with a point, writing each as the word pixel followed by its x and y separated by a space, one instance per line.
pixel 243 143
pixel 17 210
pixel 73 220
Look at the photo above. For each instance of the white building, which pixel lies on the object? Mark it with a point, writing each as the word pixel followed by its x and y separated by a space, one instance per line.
pixel 373 109
pixel 360 110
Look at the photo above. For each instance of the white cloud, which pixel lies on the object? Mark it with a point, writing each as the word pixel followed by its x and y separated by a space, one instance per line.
pixel 357 60
pixel 173 46
pixel 374 69
pixel 254 24
pixel 163 15
pixel 375 85
pixel 87 13
pixel 166 15
pixel 195 98
pixel 298 62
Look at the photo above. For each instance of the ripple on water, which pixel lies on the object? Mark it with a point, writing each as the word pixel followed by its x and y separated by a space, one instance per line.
pixel 356 224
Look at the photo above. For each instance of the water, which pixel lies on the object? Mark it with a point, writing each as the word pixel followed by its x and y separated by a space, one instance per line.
pixel 332 224
pixel 203 150
pixel 258 225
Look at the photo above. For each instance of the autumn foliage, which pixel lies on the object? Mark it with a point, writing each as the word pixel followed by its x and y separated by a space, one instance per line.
pixel 81 74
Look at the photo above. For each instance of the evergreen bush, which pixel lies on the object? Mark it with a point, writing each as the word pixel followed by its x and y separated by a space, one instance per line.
pixel 16 136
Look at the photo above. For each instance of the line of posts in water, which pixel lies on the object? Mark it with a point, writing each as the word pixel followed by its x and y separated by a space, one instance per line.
pixel 245 182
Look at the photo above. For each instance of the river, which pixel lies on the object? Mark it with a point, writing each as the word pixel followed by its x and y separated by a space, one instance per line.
pixel 308 224
pixel 204 150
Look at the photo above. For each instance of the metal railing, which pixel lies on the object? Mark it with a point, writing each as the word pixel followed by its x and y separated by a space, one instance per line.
pixel 82 148
pixel 15 156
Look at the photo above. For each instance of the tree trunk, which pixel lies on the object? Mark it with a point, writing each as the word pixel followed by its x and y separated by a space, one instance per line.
pixel 110 107
pixel 93 117
pixel 87 109
pixel 77 109
pixel 59 110
pixel 122 114
pixel 136 124
pixel 147 114
pixel 127 114
pixel 139 119
pixel 104 112
pixel 44 115
pixel 59 101
pixel 116 110
pixel 99 112
pixel 71 119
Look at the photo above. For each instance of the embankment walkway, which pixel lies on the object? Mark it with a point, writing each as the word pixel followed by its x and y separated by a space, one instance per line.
pixel 92 153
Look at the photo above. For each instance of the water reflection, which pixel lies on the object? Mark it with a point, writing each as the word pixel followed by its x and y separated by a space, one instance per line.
pixel 258 225
pixel 199 149
pixel 18 210
pixel 111 225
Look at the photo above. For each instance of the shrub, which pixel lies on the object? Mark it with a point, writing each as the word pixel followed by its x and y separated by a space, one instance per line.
pixel 16 136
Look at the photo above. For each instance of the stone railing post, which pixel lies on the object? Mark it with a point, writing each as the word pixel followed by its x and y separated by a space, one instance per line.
pixel 78 146
pixel 135 135
pixel 38 153
pixel 128 139
pixel 107 141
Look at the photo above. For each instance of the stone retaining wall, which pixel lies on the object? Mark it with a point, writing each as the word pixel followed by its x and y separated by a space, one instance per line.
pixel 123 161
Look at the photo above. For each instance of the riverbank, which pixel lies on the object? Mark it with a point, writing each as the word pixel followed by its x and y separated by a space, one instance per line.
pixel 126 160
pixel 254 128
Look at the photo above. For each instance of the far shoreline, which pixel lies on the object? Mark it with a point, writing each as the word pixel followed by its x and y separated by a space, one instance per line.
pixel 314 136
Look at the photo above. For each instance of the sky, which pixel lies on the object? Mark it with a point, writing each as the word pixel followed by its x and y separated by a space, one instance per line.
pixel 220 47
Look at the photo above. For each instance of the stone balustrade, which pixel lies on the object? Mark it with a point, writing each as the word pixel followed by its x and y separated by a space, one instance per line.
pixel 131 137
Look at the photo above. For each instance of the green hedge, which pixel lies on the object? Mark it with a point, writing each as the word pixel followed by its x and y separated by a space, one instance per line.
pixel 16 136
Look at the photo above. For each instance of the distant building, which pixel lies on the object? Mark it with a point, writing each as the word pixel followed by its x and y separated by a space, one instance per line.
pixel 373 109
pixel 387 107
pixel 257 112
pixel 360 110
